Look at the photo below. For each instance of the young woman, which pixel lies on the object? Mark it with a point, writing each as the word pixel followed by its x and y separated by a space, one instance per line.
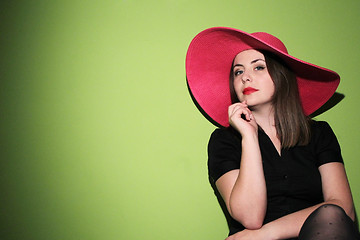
pixel 280 174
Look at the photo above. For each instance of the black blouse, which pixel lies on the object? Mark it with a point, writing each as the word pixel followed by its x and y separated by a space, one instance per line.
pixel 293 180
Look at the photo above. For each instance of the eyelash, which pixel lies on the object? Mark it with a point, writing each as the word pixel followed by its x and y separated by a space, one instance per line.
pixel 260 68
pixel 238 72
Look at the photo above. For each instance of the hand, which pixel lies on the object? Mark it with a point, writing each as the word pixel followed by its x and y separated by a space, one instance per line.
pixel 242 119
pixel 246 234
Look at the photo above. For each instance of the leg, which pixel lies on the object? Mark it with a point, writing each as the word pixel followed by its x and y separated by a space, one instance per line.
pixel 329 222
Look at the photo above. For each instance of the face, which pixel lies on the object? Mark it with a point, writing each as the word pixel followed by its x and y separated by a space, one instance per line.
pixel 252 81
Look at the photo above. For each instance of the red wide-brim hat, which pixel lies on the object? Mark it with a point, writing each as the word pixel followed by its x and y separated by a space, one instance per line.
pixel 208 65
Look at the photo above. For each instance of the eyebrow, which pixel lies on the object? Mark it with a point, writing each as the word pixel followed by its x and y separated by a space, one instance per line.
pixel 252 62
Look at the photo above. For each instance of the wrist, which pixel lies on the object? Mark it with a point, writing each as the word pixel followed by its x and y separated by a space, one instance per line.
pixel 268 232
pixel 250 138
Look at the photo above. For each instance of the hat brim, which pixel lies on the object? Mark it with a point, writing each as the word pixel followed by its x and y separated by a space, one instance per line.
pixel 208 63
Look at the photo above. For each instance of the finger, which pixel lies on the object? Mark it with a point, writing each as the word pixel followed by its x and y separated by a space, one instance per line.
pixel 243 113
pixel 243 104
pixel 234 107
pixel 235 110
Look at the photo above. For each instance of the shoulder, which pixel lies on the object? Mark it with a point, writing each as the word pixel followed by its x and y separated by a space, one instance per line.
pixel 319 124
pixel 324 143
pixel 224 150
pixel 321 129
pixel 224 136
pixel 227 132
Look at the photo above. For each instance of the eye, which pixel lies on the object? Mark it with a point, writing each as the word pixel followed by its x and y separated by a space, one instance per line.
pixel 238 72
pixel 259 68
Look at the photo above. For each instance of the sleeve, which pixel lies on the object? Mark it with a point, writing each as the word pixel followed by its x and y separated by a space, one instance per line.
pixel 327 146
pixel 224 153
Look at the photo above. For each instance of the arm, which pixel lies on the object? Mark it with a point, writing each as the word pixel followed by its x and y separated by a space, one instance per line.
pixel 336 190
pixel 336 187
pixel 244 190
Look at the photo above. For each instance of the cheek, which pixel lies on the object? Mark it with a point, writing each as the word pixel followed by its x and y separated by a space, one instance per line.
pixel 270 86
pixel 238 89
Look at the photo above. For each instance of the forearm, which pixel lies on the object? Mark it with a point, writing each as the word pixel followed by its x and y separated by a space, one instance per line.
pixel 290 225
pixel 248 198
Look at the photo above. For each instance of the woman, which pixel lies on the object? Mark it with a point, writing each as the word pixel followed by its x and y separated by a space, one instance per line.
pixel 280 174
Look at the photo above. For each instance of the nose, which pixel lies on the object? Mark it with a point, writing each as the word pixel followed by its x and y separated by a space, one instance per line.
pixel 245 77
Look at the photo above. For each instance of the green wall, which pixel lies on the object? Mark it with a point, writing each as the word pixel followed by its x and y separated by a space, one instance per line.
pixel 99 138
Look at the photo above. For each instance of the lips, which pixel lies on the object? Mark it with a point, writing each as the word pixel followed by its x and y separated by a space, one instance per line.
pixel 249 90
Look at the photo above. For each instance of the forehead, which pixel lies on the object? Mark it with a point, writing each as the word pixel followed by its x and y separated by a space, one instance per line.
pixel 248 56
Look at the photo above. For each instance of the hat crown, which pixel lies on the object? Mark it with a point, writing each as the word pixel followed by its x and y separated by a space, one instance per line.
pixel 270 40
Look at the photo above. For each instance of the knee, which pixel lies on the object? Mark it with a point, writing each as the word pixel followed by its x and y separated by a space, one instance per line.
pixel 327 222
pixel 331 211
pixel 331 208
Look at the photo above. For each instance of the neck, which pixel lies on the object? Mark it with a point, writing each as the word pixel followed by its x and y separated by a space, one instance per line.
pixel 265 118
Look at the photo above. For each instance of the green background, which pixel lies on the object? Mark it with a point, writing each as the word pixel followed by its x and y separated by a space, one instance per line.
pixel 99 138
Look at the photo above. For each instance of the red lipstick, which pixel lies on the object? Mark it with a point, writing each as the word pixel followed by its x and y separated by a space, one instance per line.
pixel 249 90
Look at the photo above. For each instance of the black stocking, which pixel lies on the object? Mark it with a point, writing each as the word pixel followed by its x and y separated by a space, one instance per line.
pixel 329 222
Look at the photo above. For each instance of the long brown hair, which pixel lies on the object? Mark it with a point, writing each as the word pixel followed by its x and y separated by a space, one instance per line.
pixel 292 125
